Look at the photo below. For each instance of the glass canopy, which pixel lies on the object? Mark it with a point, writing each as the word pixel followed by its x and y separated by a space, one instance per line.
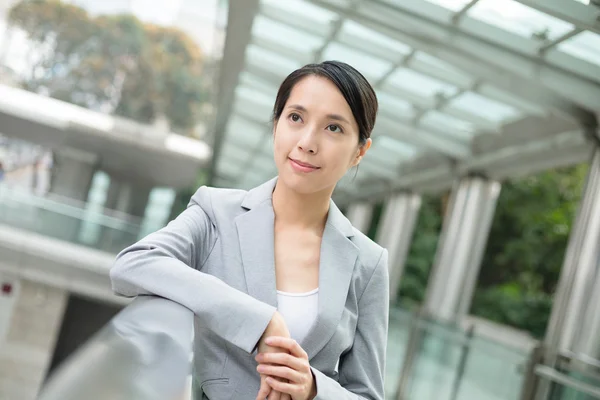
pixel 451 76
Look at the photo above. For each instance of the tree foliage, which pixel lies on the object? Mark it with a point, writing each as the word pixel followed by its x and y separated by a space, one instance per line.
pixel 524 253
pixel 111 63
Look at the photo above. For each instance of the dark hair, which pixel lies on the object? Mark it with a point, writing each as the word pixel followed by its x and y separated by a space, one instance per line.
pixel 357 91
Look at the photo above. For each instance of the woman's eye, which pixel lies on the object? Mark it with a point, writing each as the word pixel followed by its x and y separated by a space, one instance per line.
pixel 334 128
pixel 295 117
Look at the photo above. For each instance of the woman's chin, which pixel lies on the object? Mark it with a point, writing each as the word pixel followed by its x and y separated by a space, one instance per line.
pixel 302 184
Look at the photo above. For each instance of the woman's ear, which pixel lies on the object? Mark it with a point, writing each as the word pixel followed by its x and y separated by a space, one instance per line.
pixel 362 150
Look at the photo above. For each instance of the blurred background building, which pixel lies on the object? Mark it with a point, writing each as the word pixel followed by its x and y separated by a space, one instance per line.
pixel 483 180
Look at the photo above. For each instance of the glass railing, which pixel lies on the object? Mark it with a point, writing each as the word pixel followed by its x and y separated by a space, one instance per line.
pixel 68 220
pixel 447 362
pixel 398 332
pixel 142 354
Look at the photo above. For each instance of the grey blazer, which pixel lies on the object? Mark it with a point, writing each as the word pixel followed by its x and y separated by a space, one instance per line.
pixel 217 259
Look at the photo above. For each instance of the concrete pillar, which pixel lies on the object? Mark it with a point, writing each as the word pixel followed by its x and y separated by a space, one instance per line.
pixel 128 197
pixel 73 172
pixel 30 338
pixel 575 320
pixel 461 246
pixel 360 215
pixel 395 233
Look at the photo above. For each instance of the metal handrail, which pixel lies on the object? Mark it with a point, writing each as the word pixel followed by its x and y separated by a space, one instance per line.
pixel 553 375
pixel 142 354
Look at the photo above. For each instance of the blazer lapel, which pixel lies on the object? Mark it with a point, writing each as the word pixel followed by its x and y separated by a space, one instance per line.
pixel 256 237
pixel 338 259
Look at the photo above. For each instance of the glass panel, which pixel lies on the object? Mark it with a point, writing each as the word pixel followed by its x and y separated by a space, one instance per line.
pixel 287 36
pixel 242 132
pixel 392 150
pixel 520 19
pixel 269 60
pixel 249 94
pixel 428 64
pixel 483 107
pixel 395 105
pixel 464 366
pixel 357 30
pixel 438 360
pixel 71 222
pixel 492 371
pixel 446 123
pixel 304 9
pixel 585 45
pixel 398 333
pixel 454 5
pixel 371 67
pixel 420 84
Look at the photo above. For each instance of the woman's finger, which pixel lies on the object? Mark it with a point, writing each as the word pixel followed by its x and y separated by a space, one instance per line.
pixel 283 359
pixel 283 387
pixel 282 372
pixel 264 390
pixel 288 344
pixel 275 395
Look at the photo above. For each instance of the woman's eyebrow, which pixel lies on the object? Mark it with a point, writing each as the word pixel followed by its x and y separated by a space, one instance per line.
pixel 335 117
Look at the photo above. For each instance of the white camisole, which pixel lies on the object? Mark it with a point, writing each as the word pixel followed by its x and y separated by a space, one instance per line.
pixel 299 310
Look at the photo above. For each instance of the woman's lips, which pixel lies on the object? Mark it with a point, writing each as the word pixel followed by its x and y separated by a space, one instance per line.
pixel 302 166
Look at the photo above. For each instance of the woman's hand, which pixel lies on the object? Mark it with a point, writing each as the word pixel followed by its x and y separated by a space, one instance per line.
pixel 277 327
pixel 293 368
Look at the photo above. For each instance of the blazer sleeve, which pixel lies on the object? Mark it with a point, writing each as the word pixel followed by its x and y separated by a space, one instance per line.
pixel 168 264
pixel 362 369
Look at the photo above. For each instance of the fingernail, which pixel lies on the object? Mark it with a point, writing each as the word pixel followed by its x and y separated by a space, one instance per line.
pixel 268 340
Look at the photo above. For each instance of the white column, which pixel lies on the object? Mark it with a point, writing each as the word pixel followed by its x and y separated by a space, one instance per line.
pixel 575 320
pixel 360 215
pixel 395 233
pixel 72 173
pixel 30 338
pixel 461 246
pixel 127 196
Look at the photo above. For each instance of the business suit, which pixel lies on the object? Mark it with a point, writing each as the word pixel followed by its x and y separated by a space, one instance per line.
pixel 227 237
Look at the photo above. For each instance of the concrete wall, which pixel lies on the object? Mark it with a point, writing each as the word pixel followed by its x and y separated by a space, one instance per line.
pixel 30 339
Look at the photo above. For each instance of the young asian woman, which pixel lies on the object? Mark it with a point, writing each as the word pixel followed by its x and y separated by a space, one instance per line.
pixel 291 301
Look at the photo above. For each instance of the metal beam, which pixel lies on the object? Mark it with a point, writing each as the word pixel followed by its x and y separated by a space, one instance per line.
pixel 436 174
pixel 239 28
pixel 526 77
pixel 581 15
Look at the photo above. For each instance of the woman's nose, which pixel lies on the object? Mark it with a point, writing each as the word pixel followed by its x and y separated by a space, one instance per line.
pixel 308 141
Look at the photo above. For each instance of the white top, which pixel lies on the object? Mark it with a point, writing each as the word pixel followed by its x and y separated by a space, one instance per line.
pixel 299 310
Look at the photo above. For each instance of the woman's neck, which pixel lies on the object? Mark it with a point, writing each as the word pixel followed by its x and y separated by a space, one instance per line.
pixel 302 210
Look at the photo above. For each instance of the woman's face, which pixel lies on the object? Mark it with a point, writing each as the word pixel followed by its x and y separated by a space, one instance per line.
pixel 316 138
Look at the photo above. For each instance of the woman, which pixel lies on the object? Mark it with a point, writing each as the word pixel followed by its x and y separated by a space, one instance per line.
pixel 291 301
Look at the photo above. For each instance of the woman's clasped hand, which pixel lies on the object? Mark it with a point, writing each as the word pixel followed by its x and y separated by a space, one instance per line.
pixel 287 373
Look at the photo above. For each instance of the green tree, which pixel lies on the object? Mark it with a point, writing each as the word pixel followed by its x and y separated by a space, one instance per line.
pixel 112 63
pixel 524 253
pixel 422 252
pixel 526 248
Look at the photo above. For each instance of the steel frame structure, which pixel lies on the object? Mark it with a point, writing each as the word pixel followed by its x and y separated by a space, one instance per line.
pixel 545 98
